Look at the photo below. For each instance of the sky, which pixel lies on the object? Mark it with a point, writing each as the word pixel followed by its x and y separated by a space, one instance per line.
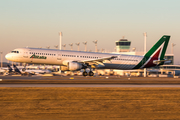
pixel 37 23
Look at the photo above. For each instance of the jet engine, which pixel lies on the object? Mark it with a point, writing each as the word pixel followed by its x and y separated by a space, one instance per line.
pixel 72 66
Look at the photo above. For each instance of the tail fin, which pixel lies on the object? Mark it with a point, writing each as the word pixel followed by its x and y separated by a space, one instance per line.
pixel 156 53
pixel 9 68
pixel 159 48
pixel 16 69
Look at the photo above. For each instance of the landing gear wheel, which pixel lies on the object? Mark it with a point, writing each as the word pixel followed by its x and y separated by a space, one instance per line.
pixel 91 73
pixel 85 73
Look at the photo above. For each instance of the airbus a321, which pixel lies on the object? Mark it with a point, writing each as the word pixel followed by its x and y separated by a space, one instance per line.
pixel 77 60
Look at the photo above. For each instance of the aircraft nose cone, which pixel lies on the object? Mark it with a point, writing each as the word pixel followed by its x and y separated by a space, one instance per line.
pixel 7 56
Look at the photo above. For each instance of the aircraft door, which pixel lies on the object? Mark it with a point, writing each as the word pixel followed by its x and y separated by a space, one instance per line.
pixel 25 56
pixel 59 56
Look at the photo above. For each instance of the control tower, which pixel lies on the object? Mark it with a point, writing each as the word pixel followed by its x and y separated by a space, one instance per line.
pixel 123 45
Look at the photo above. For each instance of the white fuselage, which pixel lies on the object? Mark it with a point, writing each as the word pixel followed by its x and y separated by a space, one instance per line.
pixel 57 57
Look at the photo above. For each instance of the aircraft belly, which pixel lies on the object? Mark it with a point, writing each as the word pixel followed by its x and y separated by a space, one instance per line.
pixel 118 66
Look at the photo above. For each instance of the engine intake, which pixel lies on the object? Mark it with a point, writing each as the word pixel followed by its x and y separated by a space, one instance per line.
pixel 72 66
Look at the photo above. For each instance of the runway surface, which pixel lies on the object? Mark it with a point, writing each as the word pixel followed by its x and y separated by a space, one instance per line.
pixel 89 85
pixel 80 81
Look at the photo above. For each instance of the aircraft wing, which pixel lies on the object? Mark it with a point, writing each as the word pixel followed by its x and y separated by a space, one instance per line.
pixel 98 61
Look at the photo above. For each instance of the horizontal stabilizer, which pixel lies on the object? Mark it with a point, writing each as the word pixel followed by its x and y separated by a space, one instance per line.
pixel 160 61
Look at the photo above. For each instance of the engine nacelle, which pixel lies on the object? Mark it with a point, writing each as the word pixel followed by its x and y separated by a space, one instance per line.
pixel 71 66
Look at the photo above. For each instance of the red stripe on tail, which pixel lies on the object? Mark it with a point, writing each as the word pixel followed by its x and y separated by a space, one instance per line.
pixel 155 57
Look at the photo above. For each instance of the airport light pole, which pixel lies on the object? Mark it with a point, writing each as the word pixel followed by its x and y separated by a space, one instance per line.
pixel 78 45
pixel 60 40
pixel 60 44
pixel 64 46
pixel 56 46
pixel 95 42
pixel 1 58
pixel 145 35
pixel 71 46
pixel 85 43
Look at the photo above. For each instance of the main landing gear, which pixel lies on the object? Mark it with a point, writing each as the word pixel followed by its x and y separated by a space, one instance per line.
pixel 90 73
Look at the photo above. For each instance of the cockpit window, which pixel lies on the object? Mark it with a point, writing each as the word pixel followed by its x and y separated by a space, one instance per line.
pixel 14 51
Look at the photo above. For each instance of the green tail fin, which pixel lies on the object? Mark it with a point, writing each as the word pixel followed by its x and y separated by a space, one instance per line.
pixel 157 52
pixel 164 40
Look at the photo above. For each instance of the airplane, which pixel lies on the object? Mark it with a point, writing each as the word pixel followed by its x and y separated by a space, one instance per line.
pixel 77 60
pixel 25 71
pixel 8 70
pixel 4 69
